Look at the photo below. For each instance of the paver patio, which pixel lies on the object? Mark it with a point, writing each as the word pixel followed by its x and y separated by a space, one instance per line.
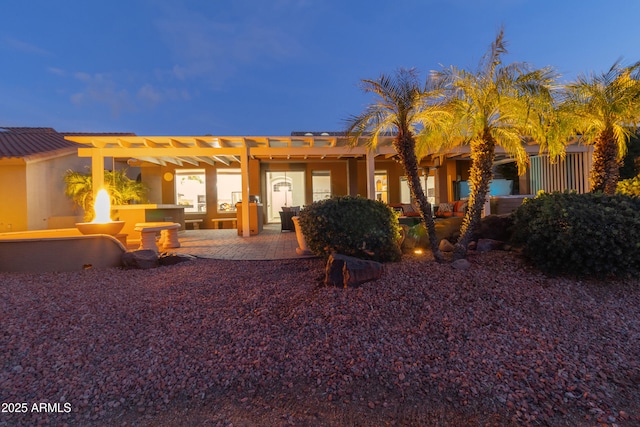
pixel 270 244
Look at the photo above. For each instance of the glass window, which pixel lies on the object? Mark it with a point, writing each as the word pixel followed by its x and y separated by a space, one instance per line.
pixel 405 192
pixel 191 190
pixel 380 178
pixel 428 186
pixel 229 189
pixel 321 185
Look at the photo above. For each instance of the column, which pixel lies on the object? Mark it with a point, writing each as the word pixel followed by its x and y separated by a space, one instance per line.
pixel 244 172
pixel 97 171
pixel 371 171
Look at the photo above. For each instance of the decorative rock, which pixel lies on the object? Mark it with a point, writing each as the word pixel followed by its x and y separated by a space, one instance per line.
pixel 446 246
pixel 167 258
pixel 461 264
pixel 345 271
pixel 142 259
pixel 486 245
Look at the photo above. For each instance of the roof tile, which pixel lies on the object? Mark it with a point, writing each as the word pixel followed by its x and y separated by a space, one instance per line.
pixel 24 142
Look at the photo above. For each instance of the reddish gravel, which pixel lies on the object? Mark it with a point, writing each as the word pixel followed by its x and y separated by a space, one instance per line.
pixel 261 343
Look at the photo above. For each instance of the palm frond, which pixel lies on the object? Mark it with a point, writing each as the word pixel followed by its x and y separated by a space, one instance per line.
pixel 492 58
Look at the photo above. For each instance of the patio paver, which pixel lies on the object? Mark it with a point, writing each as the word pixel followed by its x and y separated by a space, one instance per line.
pixel 270 244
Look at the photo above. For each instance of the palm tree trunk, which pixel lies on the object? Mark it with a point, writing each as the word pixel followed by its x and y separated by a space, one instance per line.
pixel 480 174
pixel 606 167
pixel 405 147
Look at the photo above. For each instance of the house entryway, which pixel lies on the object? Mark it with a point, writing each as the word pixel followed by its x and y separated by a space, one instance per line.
pixel 284 188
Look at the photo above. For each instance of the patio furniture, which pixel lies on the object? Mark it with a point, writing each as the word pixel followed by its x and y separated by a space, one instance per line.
pixel 195 223
pixel 455 209
pixel 168 235
pixel 286 215
pixel 409 215
pixel 219 222
pixel 286 221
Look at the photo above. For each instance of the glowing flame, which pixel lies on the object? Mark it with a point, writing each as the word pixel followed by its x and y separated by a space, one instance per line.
pixel 102 207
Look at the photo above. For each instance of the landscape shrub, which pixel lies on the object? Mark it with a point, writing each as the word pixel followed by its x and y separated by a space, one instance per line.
pixel 580 234
pixel 629 187
pixel 495 227
pixel 354 226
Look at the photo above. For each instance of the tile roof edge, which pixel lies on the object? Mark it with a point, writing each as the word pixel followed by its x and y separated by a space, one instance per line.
pixel 46 155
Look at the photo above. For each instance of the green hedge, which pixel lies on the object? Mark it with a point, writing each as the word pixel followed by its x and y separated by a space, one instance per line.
pixel 353 226
pixel 580 234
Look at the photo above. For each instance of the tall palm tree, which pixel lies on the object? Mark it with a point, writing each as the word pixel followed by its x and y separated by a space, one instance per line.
pixel 403 108
pixel 605 110
pixel 498 105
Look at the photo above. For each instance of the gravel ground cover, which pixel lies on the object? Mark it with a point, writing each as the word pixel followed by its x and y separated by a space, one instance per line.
pixel 238 343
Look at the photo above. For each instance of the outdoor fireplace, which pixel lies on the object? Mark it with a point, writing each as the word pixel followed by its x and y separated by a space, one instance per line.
pixel 102 223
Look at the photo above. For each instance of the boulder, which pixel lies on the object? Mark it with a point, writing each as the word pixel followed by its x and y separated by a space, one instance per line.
pixel 461 264
pixel 486 245
pixel 446 246
pixel 141 259
pixel 349 272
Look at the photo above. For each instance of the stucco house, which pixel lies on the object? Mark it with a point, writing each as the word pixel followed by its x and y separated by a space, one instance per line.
pixel 207 175
pixel 32 164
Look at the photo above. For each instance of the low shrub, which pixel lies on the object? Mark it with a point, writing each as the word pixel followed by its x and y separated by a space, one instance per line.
pixel 629 187
pixel 580 234
pixel 495 227
pixel 353 226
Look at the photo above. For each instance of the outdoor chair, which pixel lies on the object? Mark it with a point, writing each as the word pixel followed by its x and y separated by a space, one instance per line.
pixel 286 215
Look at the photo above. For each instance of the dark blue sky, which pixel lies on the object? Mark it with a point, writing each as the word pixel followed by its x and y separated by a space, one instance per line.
pixel 257 67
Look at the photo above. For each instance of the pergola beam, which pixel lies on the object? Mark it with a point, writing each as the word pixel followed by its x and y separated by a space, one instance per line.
pixel 222 160
pixel 189 160
pixel 153 160
pixel 207 160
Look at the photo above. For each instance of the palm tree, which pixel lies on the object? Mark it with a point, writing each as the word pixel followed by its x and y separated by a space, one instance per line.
pixel 403 108
pixel 122 189
pixel 605 109
pixel 498 105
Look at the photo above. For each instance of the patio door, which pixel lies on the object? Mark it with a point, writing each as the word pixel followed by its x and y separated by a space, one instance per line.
pixel 284 188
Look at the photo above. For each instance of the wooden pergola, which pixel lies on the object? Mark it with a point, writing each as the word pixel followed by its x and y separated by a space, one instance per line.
pixel 211 150
pixel 196 150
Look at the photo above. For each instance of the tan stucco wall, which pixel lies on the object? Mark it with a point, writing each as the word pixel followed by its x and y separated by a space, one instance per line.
pixel 339 180
pixel 13 195
pixel 46 200
pixel 152 178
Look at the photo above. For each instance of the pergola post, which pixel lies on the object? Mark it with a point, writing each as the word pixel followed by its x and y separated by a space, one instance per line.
pixel 370 158
pixel 97 171
pixel 244 173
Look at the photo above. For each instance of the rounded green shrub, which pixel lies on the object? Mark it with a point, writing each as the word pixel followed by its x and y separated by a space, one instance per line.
pixel 580 234
pixel 353 226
